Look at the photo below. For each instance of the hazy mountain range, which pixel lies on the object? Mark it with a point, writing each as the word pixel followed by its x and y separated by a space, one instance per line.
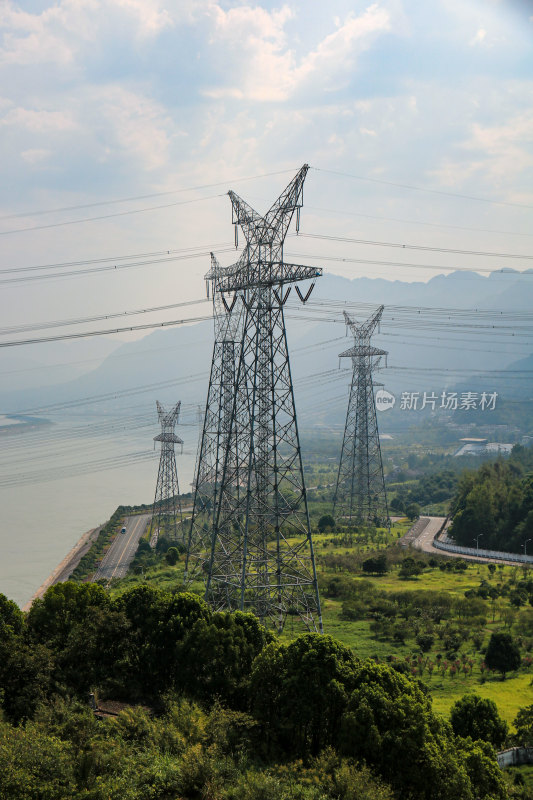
pixel 429 347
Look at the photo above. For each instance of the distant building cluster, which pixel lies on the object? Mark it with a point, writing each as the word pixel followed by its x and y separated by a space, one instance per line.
pixel 482 447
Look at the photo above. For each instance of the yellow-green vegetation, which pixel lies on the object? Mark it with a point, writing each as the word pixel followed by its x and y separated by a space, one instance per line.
pixel 230 713
pixel 510 695
pixel 397 619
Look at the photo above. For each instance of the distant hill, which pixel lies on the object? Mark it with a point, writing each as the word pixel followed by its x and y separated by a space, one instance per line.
pixel 174 363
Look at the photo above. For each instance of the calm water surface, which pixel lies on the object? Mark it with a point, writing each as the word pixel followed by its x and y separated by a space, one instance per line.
pixel 46 504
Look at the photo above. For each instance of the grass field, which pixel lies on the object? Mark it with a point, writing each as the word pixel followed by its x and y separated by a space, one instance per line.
pixel 346 553
pixel 511 694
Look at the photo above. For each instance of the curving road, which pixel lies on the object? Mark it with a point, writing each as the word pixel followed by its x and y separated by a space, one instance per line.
pixel 424 541
pixel 116 561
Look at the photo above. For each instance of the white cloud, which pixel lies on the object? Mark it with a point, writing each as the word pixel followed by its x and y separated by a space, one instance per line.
pixel 38 121
pixel 266 69
pixel 479 38
pixel 59 33
pixel 139 127
pixel 35 156
pixel 497 157
pixel 151 17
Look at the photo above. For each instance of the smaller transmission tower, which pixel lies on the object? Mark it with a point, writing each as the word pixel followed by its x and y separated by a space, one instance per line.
pixel 360 494
pixel 215 435
pixel 167 506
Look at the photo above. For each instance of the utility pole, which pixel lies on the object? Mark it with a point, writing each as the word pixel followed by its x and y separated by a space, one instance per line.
pixel 167 506
pixel 261 558
pixel 360 494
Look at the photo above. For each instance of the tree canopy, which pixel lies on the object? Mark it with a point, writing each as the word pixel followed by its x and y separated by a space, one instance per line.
pixel 235 713
pixel 495 502
pixel 476 717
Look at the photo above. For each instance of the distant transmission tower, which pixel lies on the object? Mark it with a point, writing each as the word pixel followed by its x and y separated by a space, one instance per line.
pixel 261 557
pixel 214 439
pixel 167 506
pixel 360 494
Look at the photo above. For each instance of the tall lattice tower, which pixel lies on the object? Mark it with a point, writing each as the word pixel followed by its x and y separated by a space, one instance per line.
pixel 214 440
pixel 167 506
pixel 261 557
pixel 360 494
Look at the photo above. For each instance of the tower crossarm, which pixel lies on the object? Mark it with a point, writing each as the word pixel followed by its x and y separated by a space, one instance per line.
pixel 168 437
pixel 359 351
pixel 258 274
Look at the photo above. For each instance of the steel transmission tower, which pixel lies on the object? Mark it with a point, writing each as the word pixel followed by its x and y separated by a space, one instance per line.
pixel 360 494
pixel 214 439
pixel 261 557
pixel 167 507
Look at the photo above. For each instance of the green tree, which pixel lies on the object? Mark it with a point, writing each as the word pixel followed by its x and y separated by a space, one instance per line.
pixel 389 724
pixel 216 656
pixel 51 618
pixel 34 766
pixel 502 654
pixel 299 691
pixel 478 718
pixel 171 556
pixel 485 775
pixel 326 522
pixel 412 511
pixel 25 679
pixel 376 565
pixel 410 568
pixel 523 723
pixel 425 641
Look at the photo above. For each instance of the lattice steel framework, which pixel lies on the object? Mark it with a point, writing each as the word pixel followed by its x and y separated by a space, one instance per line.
pixel 262 557
pixel 167 506
pixel 360 494
pixel 214 440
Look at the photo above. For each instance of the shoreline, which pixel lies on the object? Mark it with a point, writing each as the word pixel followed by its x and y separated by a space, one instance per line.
pixel 67 566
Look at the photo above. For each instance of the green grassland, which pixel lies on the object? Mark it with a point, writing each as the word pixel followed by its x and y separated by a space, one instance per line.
pixel 339 558
pixel 511 694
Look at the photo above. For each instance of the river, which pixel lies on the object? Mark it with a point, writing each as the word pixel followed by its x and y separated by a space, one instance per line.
pixel 60 480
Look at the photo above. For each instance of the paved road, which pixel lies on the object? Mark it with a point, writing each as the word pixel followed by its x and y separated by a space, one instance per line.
pixel 116 561
pixel 425 540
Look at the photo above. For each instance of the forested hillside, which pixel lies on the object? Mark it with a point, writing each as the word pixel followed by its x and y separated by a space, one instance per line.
pixel 225 711
pixel 495 502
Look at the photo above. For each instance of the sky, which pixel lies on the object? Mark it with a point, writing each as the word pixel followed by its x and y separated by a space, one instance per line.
pixel 124 123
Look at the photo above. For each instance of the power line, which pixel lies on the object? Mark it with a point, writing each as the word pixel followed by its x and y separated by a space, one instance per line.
pixel 422 189
pixel 200 249
pixel 80 320
pixel 403 221
pixel 86 334
pixel 427 248
pixel 404 265
pixel 140 197
pixel 110 216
